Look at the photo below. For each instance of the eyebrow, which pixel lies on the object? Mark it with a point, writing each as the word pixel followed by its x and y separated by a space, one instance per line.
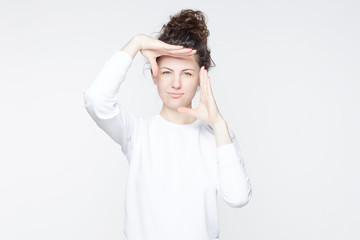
pixel 183 69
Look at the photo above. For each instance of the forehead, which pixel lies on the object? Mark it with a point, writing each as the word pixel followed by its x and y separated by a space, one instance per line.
pixel 178 62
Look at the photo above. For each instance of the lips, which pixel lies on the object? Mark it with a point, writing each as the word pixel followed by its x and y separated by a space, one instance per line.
pixel 175 95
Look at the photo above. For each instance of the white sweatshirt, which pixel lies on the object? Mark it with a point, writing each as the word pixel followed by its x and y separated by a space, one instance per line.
pixel 175 170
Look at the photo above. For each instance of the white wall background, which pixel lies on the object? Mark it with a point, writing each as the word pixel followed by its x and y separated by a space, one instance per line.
pixel 286 81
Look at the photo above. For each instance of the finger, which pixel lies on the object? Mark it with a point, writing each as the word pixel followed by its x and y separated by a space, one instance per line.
pixel 181 51
pixel 205 83
pixel 209 91
pixel 202 93
pixel 192 52
pixel 173 47
pixel 183 54
pixel 209 84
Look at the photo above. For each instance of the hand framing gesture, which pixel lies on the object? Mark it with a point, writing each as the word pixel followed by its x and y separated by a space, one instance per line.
pixel 207 110
pixel 152 48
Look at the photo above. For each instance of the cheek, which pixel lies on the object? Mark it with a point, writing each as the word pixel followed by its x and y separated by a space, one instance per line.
pixel 163 80
pixel 194 82
pixel 162 86
pixel 163 89
pixel 190 89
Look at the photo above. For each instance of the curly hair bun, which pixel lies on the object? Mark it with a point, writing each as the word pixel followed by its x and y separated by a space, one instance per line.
pixel 188 22
pixel 188 28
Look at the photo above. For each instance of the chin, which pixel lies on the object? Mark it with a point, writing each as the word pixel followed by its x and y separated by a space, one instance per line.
pixel 174 103
pixel 174 106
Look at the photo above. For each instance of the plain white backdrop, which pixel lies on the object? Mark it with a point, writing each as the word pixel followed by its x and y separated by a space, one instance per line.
pixel 286 81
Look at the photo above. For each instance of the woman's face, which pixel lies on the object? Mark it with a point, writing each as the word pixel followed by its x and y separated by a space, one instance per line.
pixel 177 75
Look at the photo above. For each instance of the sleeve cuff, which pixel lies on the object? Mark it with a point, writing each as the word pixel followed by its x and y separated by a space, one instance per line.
pixel 122 60
pixel 227 154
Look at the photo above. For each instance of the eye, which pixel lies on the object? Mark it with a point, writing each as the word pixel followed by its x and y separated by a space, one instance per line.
pixel 189 74
pixel 166 72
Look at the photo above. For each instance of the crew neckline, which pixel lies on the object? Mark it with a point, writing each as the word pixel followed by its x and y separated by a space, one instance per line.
pixel 195 123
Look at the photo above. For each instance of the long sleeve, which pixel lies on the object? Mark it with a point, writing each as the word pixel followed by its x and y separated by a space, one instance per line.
pixel 233 183
pixel 100 101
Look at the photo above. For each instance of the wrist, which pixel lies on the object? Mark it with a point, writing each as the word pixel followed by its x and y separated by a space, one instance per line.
pixel 132 46
pixel 137 41
pixel 220 123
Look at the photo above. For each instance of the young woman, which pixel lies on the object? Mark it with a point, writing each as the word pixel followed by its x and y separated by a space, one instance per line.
pixel 182 157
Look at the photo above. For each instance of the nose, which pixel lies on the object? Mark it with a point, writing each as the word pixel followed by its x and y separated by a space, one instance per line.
pixel 176 82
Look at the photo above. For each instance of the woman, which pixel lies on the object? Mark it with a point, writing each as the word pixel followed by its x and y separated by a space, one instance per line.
pixel 180 158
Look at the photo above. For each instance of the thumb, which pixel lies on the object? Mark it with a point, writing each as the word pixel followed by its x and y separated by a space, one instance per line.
pixel 154 67
pixel 186 110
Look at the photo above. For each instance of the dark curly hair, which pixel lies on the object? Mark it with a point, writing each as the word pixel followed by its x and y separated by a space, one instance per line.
pixel 188 28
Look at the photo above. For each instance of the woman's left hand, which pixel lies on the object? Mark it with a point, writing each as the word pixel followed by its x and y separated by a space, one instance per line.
pixel 207 109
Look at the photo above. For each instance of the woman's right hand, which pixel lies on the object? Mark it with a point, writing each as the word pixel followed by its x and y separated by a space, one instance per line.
pixel 152 48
